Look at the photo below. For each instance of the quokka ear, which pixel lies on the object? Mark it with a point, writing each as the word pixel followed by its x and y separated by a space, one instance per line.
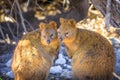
pixel 72 22
pixel 53 24
pixel 42 25
pixel 62 20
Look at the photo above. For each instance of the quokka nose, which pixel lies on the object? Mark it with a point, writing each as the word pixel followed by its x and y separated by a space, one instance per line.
pixel 48 41
pixel 60 38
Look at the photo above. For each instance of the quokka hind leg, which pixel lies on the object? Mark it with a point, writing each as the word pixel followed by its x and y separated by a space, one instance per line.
pixel 104 77
pixel 18 77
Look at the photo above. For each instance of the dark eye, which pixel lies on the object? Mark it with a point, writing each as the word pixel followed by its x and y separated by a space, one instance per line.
pixel 51 35
pixel 66 34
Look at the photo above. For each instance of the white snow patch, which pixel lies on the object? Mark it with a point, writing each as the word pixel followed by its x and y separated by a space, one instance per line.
pixel 55 69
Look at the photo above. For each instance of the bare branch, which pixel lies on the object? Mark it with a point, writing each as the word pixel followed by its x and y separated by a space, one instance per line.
pixel 10 30
pixel 108 14
pixel 39 6
pixel 21 16
pixel 29 24
pixel 3 36
pixel 12 6
pixel 28 2
pixel 116 75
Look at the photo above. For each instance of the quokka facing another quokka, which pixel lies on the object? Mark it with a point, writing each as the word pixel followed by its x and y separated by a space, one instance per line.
pixel 92 55
pixel 35 52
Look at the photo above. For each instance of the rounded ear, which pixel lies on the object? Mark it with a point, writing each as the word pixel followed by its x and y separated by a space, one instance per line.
pixel 53 24
pixel 72 22
pixel 62 20
pixel 42 25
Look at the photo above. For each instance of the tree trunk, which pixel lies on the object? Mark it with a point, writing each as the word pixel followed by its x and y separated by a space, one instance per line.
pixel 79 9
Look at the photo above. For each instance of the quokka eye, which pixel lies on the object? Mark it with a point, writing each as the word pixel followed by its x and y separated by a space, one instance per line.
pixel 66 34
pixel 51 35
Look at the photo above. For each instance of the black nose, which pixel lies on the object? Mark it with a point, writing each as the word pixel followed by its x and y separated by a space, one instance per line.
pixel 48 41
pixel 60 39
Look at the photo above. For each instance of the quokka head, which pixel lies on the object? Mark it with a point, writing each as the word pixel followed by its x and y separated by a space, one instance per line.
pixel 67 30
pixel 48 32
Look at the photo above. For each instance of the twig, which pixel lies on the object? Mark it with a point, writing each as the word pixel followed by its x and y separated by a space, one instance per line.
pixel 29 24
pixel 39 6
pixel 116 75
pixel 17 24
pixel 10 30
pixel 12 6
pixel 28 2
pixel 108 14
pixel 3 36
pixel 21 16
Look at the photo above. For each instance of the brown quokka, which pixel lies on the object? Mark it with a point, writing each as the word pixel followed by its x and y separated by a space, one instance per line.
pixel 92 55
pixel 35 53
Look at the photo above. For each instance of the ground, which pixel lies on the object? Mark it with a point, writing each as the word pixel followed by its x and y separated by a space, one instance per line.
pixel 61 69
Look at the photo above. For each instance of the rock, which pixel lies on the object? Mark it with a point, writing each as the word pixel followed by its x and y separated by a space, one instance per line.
pixel 117 68
pixel 60 61
pixel 56 69
pixel 66 57
pixel 2 65
pixel 60 55
pixel 69 60
pixel 4 58
pixel 5 70
pixel 69 66
pixel 114 40
pixel 65 65
pixel 10 74
pixel 8 64
pixel 66 73
pixel 118 55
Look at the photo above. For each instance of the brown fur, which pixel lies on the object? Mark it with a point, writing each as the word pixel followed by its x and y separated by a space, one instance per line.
pixel 35 52
pixel 92 55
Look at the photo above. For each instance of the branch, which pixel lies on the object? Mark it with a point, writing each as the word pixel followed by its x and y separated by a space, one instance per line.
pixel 108 14
pixel 11 30
pixel 39 6
pixel 28 2
pixel 116 75
pixel 21 16
pixel 12 6
pixel 3 36
pixel 29 24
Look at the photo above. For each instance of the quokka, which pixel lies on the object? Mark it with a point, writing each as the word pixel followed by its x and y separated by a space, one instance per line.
pixel 92 55
pixel 35 53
